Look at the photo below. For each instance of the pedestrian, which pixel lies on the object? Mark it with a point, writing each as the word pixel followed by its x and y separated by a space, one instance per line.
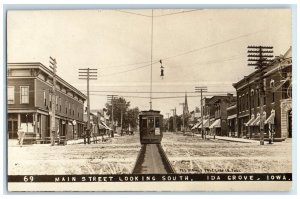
pixel 58 136
pixel 88 135
pixel 21 135
pixel 84 136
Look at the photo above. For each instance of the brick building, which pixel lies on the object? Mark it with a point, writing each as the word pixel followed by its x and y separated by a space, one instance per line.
pixel 232 120
pixel 216 111
pixel 29 97
pixel 277 109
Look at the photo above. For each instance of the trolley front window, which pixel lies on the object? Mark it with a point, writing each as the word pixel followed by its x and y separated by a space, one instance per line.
pixel 157 122
pixel 144 122
pixel 151 122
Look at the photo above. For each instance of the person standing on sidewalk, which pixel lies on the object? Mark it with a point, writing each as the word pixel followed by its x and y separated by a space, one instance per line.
pixel 21 135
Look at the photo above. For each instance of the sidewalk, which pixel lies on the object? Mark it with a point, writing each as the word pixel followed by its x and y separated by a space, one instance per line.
pixel 230 139
pixel 81 140
pixel 233 139
pixel 14 142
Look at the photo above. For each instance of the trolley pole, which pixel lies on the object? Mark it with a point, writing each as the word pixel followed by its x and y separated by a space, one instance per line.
pixel 151 61
pixel 88 74
pixel 183 105
pixel 53 66
pixel 110 99
pixel 259 57
pixel 201 89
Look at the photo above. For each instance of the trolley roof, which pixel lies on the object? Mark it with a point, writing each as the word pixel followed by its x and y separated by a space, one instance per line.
pixel 150 112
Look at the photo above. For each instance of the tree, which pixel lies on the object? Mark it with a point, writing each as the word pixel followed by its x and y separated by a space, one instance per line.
pixel 197 109
pixel 119 105
pixel 131 118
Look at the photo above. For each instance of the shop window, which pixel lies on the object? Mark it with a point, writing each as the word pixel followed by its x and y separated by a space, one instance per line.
pixel 24 91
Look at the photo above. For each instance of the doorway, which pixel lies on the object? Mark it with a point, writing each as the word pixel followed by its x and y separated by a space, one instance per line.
pixel 12 129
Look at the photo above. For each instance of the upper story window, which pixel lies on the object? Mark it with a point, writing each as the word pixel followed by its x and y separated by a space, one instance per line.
pixel 247 101
pixel 66 106
pixel 70 108
pixel 10 94
pixel 45 100
pixel 252 99
pixel 24 91
pixel 50 100
pixel 56 102
pixel 272 83
pixel 59 101
pixel 257 92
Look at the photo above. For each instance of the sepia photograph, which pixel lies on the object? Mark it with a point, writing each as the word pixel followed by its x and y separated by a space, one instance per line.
pixel 149 100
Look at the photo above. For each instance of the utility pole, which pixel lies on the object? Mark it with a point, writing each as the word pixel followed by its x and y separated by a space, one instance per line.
pixel 201 89
pixel 52 123
pixel 110 99
pixel 183 105
pixel 88 74
pixel 174 119
pixel 168 114
pixel 259 57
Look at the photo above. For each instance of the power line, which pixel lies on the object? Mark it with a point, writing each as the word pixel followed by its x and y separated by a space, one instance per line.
pixel 188 52
pixel 125 71
pixel 211 45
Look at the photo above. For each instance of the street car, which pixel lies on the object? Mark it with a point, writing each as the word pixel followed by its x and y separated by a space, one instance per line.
pixel 151 126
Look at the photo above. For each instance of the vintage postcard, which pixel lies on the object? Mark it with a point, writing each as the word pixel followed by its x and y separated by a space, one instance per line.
pixel 149 100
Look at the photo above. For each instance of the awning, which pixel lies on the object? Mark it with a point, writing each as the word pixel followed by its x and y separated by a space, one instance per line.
pixel 251 120
pixel 101 126
pixel 271 118
pixel 196 125
pixel 205 122
pixel 256 122
pixel 280 84
pixel 216 124
pixel 231 116
pixel 106 127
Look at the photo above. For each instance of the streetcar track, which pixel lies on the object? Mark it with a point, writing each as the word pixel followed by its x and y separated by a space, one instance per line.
pixel 152 160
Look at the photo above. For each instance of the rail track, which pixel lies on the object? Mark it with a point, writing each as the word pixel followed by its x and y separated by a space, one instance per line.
pixel 152 160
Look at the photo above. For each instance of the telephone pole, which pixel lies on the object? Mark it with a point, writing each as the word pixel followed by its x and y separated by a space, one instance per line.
pixel 168 114
pixel 52 123
pixel 183 105
pixel 110 99
pixel 174 119
pixel 201 89
pixel 259 57
pixel 88 74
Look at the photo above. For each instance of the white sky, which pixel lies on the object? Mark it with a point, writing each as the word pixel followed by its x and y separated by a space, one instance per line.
pixel 199 48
